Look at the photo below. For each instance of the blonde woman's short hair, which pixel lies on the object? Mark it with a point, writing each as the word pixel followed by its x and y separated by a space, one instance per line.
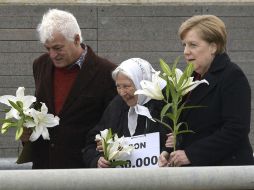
pixel 210 28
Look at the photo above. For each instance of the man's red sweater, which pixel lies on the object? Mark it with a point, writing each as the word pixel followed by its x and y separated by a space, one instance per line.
pixel 63 81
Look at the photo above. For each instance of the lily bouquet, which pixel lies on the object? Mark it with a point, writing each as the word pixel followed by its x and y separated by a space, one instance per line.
pixel 22 113
pixel 178 84
pixel 116 150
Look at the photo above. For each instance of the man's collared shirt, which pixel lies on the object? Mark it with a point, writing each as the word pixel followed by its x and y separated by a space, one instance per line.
pixel 80 60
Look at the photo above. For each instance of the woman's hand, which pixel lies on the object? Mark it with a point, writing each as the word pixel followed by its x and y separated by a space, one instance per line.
pixel 170 141
pixel 99 145
pixel 178 158
pixel 163 159
pixel 103 163
pixel 26 134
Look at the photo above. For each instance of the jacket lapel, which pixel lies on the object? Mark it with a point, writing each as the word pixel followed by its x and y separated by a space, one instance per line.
pixel 48 82
pixel 200 92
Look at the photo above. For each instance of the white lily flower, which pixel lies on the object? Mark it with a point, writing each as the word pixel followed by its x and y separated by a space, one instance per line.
pixel 20 96
pixel 119 149
pixel 188 84
pixel 103 135
pixel 41 121
pixel 152 89
pixel 98 137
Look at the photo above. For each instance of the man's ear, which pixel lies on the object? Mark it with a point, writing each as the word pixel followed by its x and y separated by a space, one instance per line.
pixel 77 39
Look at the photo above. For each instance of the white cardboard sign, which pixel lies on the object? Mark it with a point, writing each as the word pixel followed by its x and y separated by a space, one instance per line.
pixel 146 152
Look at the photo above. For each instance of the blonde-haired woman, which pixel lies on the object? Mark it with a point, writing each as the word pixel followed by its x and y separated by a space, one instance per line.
pixel 222 126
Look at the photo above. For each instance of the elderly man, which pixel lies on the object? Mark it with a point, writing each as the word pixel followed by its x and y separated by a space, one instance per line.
pixel 75 84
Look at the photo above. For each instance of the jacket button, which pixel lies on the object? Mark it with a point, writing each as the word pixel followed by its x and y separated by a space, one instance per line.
pixel 52 145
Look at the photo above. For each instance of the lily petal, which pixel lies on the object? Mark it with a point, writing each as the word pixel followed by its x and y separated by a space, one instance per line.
pixel 28 101
pixel 5 99
pixel 193 85
pixel 36 134
pixel 98 137
pixel 45 134
pixel 20 92
pixel 104 133
pixel 150 89
pixel 178 73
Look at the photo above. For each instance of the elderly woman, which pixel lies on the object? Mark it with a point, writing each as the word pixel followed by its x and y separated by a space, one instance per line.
pixel 127 114
pixel 222 125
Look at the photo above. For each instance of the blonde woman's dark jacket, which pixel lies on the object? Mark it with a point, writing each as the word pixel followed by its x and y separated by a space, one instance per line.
pixel 222 126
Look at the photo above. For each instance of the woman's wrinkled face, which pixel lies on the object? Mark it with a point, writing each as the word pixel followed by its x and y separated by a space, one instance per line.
pixel 126 88
pixel 198 51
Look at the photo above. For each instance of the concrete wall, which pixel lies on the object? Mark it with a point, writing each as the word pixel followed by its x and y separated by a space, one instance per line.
pixel 178 178
pixel 116 32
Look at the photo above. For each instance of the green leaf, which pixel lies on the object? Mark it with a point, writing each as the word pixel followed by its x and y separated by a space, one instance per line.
pixel 186 74
pixel 105 147
pixel 165 68
pixel 19 133
pixel 28 118
pixel 15 106
pixel 20 104
pixel 165 109
pixel 179 111
pixel 164 124
pixel 170 116
pixel 6 120
pixel 173 92
pixel 183 80
pixel 189 69
pixel 186 128
pixel 6 126
pixel 178 126
pixel 185 131
pixel 21 121
pixel 109 135
pixel 167 90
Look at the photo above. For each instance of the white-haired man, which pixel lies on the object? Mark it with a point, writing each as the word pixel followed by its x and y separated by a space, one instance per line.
pixel 75 84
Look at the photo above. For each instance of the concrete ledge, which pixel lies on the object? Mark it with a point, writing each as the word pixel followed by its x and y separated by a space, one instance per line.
pixel 240 177
pixel 10 164
pixel 122 1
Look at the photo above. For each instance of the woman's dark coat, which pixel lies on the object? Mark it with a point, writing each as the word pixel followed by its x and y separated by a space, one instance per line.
pixel 222 126
pixel 116 118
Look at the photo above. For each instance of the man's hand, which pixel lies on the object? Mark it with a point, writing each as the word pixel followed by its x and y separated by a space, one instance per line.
pixel 26 134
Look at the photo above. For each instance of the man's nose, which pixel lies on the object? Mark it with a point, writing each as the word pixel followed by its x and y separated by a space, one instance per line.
pixel 52 53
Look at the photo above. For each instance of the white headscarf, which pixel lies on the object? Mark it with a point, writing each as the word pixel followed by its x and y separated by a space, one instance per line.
pixel 137 69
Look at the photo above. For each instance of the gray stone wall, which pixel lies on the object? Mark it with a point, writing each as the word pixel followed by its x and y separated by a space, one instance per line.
pixel 116 32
